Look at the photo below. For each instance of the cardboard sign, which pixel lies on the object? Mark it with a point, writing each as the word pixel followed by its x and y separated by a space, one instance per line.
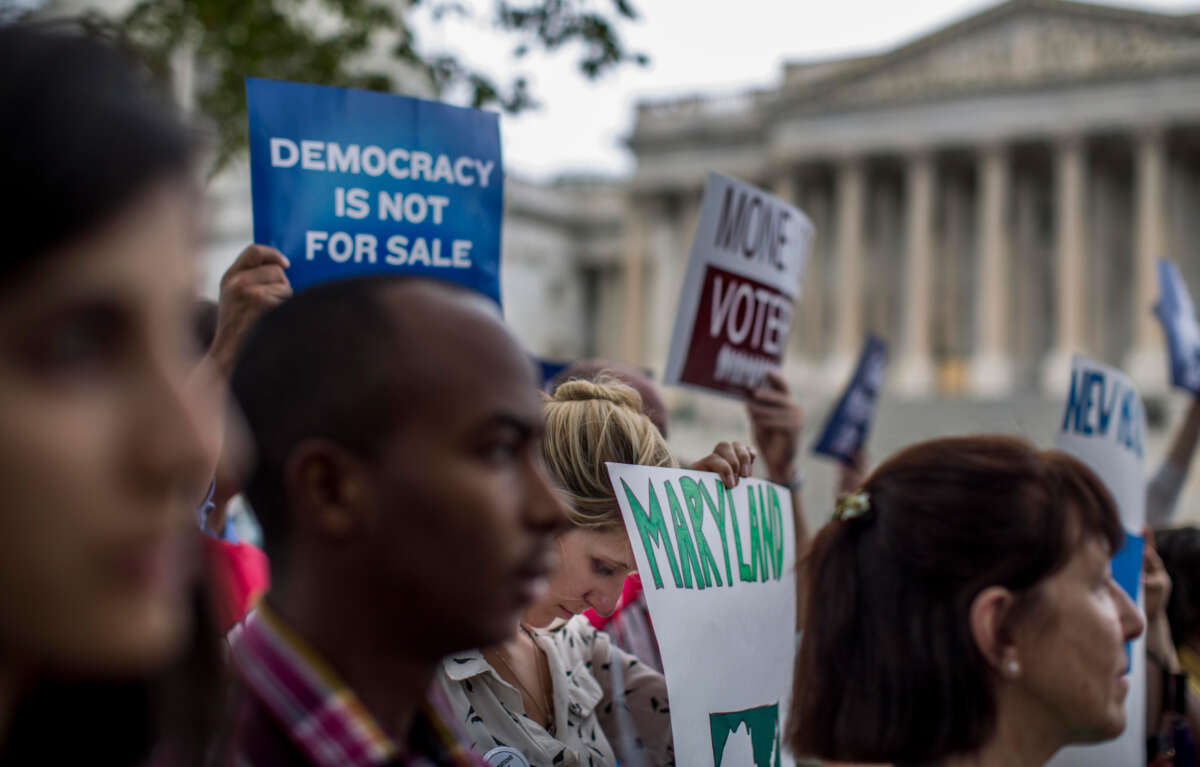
pixel 347 183
pixel 743 277
pixel 1174 309
pixel 718 570
pixel 1104 426
pixel 849 423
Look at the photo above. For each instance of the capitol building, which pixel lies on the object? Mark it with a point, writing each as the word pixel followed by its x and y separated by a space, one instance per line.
pixel 989 198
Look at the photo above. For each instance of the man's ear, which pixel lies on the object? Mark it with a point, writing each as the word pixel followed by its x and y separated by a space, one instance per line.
pixel 327 489
pixel 990 611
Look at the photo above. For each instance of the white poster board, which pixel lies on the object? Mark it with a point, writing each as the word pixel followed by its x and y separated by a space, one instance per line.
pixel 718 568
pixel 743 276
pixel 1104 426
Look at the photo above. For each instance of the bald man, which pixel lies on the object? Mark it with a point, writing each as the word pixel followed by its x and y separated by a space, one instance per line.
pixel 404 509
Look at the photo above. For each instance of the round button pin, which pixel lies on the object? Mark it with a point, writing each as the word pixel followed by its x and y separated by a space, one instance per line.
pixel 503 756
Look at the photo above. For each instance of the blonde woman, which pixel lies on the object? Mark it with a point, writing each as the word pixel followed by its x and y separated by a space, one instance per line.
pixel 559 693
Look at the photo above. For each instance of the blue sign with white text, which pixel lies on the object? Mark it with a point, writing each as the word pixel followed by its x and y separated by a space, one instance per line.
pixel 348 182
pixel 850 422
pixel 1174 309
pixel 548 369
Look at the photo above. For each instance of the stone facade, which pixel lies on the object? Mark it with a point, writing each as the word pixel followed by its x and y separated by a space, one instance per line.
pixel 989 198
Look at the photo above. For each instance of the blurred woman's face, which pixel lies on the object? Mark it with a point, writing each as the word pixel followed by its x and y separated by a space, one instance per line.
pixel 101 444
pixel 1072 654
pixel 591 571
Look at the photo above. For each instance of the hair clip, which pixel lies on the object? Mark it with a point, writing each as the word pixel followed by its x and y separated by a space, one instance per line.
pixel 852 505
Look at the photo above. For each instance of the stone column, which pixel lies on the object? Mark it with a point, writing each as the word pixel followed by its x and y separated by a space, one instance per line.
pixel 817 208
pixel 791 189
pixel 848 336
pixel 1145 361
pixel 1070 167
pixel 634 329
pixel 788 187
pixel 688 220
pixel 991 373
pixel 914 371
pixel 668 260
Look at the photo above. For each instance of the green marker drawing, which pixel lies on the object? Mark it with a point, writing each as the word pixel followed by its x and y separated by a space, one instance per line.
pixel 718 514
pixel 653 530
pixel 688 562
pixel 777 515
pixel 744 571
pixel 762 725
pixel 695 506
pixel 756 552
pixel 768 535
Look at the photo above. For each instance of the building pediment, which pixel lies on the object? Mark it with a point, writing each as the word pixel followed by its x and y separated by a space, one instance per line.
pixel 1018 44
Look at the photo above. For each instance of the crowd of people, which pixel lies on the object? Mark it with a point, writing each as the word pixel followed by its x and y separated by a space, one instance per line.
pixel 444 575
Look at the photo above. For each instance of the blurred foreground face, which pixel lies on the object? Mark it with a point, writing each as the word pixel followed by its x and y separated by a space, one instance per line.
pixel 1073 652
pixel 99 440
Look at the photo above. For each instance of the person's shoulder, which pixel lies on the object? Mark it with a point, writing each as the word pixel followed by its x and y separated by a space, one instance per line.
pixel 577 626
pixel 461 667
pixel 574 638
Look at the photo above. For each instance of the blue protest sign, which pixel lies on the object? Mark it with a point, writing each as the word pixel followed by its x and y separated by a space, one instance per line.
pixel 850 421
pixel 348 182
pixel 1174 309
pixel 548 369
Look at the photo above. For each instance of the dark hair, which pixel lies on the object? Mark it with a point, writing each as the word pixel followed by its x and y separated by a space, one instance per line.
pixel 83 134
pixel 888 670
pixel 1179 549
pixel 316 366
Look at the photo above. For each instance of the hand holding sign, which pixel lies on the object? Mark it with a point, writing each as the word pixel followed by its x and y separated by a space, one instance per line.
pixel 254 283
pixel 1178 317
pixel 729 461
pixel 776 422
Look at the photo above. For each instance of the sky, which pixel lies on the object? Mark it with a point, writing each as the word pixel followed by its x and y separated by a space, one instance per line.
pixel 696 47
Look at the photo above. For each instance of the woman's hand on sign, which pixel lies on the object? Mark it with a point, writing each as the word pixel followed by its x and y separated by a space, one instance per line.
pixel 776 422
pixel 254 283
pixel 729 460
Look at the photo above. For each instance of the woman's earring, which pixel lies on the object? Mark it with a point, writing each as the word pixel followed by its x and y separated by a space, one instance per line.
pixel 1012 668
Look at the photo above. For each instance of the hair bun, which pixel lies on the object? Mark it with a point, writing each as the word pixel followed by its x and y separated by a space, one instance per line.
pixel 605 388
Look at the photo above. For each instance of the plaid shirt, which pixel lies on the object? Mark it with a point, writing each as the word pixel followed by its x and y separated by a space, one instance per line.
pixel 295 710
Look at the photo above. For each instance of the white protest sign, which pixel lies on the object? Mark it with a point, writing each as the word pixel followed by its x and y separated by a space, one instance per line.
pixel 1104 426
pixel 743 277
pixel 718 567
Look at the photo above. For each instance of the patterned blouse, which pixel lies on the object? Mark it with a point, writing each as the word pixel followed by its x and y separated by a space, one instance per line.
pixel 591 729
